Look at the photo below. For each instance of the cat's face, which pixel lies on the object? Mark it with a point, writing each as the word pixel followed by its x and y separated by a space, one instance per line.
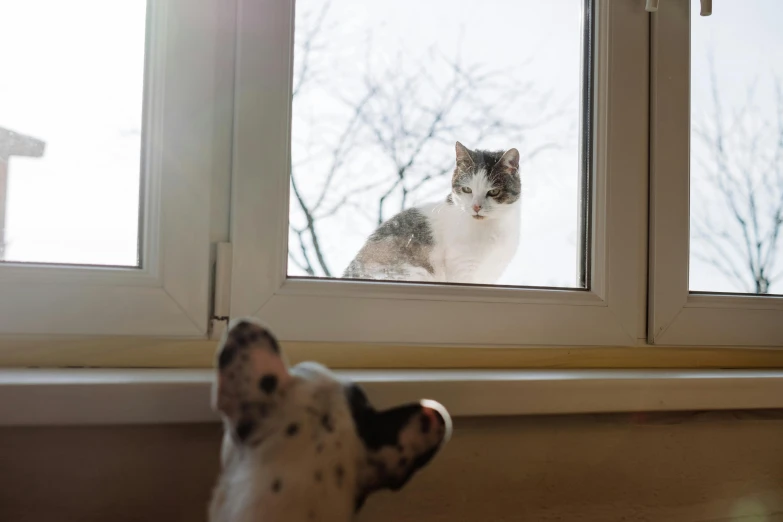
pixel 485 184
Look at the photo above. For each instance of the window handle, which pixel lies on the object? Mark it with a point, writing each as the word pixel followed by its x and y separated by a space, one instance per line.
pixel 706 7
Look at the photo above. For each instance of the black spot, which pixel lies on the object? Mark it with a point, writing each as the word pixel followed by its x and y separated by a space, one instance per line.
pixel 263 409
pixel 227 355
pixel 424 458
pixel 245 428
pixel 318 476
pixel 403 462
pixel 311 514
pixel 326 422
pixel 400 448
pixel 339 445
pixel 292 429
pixel 277 485
pixel 339 473
pixel 268 383
pixel 320 447
pixel 251 337
pixel 426 423
pixel 378 466
pixel 245 357
pixel 359 503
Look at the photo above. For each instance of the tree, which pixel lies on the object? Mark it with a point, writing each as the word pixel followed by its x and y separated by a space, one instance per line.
pixel 743 169
pixel 400 122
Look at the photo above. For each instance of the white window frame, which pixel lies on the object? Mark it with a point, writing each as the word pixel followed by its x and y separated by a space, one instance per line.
pixel 611 313
pixel 677 316
pixel 182 151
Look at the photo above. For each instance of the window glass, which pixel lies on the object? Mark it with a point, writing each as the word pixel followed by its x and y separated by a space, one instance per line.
pixel 71 89
pixel 737 148
pixel 392 104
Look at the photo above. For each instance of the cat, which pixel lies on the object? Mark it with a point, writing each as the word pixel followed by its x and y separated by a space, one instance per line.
pixel 470 237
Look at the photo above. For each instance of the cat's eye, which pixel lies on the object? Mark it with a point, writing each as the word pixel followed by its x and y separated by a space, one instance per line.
pixel 467 190
pixel 494 192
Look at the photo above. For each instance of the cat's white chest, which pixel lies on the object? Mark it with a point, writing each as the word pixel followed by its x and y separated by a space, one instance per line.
pixel 479 252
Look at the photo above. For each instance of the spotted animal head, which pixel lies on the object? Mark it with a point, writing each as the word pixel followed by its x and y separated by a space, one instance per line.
pixel 301 444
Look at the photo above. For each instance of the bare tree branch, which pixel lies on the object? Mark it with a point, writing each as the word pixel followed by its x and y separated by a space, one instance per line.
pixel 744 165
pixel 396 128
pixel 311 229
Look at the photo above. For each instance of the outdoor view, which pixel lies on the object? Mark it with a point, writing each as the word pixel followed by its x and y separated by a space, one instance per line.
pixel 71 89
pixel 737 148
pixel 386 107
pixel 383 91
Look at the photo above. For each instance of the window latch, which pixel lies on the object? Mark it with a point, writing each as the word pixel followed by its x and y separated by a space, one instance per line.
pixel 221 300
pixel 706 7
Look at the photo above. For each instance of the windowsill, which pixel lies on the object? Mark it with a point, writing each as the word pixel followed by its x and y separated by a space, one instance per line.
pixel 82 396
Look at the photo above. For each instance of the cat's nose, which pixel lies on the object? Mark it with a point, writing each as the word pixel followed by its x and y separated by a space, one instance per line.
pixel 476 208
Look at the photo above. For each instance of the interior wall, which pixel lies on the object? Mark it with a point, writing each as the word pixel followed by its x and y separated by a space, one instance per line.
pixel 708 467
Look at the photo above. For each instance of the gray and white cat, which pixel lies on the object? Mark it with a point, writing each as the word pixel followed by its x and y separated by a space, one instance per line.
pixel 470 237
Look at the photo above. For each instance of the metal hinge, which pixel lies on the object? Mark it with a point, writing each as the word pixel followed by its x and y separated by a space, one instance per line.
pixel 221 295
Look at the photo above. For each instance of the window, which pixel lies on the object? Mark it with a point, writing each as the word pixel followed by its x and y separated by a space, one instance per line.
pixel 379 100
pixel 737 150
pixel 71 132
pixel 268 255
pixel 716 88
pixel 250 149
pixel 110 140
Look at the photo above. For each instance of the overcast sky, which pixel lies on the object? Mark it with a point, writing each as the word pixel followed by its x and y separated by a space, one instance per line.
pixel 73 77
pixel 746 43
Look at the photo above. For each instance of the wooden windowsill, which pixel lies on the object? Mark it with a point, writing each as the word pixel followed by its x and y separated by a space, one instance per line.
pixel 103 396
pixel 147 352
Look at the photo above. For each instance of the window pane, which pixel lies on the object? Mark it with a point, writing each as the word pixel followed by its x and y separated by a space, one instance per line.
pixel 737 148
pixel 71 90
pixel 384 90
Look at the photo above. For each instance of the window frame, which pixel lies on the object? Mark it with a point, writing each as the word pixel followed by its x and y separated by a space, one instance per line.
pixel 103 317
pixel 183 155
pixel 610 313
pixel 677 315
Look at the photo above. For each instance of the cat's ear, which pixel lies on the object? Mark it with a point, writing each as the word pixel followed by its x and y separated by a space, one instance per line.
pixel 509 162
pixel 250 371
pixel 464 160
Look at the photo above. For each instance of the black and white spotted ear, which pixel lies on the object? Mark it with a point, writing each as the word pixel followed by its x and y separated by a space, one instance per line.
pixel 250 371
pixel 399 441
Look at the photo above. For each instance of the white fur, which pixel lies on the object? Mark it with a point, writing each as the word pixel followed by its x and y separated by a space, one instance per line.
pixel 244 494
pixel 470 250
